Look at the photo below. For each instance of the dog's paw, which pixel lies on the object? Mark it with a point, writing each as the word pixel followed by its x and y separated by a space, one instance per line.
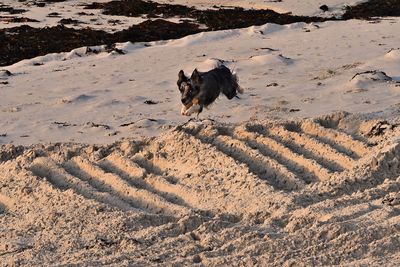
pixel 193 109
pixel 183 110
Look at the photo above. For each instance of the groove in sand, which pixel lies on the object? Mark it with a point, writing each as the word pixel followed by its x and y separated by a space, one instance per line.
pixel 339 140
pixel 139 198
pixel 302 166
pixel 47 168
pixel 265 167
pixel 140 178
pixel 321 149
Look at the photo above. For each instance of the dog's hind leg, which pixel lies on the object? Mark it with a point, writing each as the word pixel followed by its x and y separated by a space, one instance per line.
pixel 199 111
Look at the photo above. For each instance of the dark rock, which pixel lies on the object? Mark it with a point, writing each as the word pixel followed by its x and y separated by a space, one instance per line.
pixel 54 15
pixel 85 14
pixel 26 42
pixel 9 152
pixel 137 8
pixel 219 19
pixel 54 1
pixel 69 21
pixel 380 128
pixel 196 259
pixel 272 84
pixel 5 73
pixel 11 10
pixel 16 19
pixel 324 8
pixel 376 75
pixel 40 4
pixel 373 8
pixel 150 102
pixel 96 125
pixel 63 124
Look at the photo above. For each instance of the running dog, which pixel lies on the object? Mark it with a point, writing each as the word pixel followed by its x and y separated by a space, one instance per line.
pixel 202 88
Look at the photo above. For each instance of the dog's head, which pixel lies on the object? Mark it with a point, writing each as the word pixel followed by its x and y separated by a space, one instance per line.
pixel 189 88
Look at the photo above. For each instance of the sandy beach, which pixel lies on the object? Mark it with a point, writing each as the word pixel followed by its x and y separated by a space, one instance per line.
pixel 99 168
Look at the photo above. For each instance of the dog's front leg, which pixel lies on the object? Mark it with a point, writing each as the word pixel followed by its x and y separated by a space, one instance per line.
pixel 183 110
pixel 196 107
pixel 193 109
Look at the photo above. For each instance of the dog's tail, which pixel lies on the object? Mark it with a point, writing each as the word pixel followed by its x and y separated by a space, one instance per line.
pixel 218 62
pixel 235 81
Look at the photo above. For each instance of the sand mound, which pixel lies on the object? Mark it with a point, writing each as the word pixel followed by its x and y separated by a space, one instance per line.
pixel 320 191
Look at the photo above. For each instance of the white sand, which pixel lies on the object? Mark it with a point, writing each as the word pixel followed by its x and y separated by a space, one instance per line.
pixel 304 192
pixel 262 185
pixel 312 69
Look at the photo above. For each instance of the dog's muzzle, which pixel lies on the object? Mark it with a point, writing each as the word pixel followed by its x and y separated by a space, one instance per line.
pixel 185 101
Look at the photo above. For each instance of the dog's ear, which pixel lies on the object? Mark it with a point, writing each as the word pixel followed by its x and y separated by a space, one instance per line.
pixel 196 77
pixel 181 77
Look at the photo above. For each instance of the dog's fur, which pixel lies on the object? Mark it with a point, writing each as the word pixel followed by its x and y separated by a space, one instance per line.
pixel 202 88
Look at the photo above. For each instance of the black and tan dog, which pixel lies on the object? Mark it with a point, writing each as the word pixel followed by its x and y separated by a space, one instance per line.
pixel 202 88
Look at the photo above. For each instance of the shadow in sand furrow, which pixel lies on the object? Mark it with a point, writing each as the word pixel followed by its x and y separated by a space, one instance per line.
pixel 323 150
pixel 3 208
pixel 366 211
pixel 340 148
pixel 60 178
pixel 384 170
pixel 196 172
pixel 264 167
pixel 346 187
pixel 296 147
pixel 110 182
pixel 308 170
pixel 167 185
pixel 342 142
pixel 330 151
pixel 138 177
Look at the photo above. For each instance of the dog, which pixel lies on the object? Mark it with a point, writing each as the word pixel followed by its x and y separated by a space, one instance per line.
pixel 203 88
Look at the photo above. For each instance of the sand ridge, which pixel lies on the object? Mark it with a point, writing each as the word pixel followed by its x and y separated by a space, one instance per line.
pixel 320 191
